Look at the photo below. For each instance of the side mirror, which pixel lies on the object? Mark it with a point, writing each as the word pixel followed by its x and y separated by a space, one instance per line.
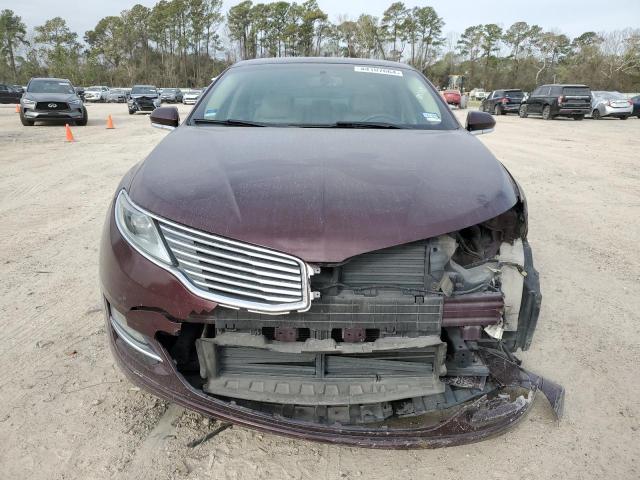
pixel 479 123
pixel 165 117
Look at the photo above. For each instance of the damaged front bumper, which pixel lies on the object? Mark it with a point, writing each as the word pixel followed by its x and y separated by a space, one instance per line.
pixel 488 415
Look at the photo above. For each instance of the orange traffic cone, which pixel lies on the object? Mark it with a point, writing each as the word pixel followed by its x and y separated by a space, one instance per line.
pixel 110 123
pixel 68 133
pixel 17 108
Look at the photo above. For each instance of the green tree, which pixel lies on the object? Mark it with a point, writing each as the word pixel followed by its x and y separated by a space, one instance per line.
pixel 59 48
pixel 394 20
pixel 12 35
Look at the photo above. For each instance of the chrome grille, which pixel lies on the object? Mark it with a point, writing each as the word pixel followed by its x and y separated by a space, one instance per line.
pixel 237 274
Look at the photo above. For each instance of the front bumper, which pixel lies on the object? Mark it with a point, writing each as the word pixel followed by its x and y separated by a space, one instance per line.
pixel 74 114
pixel 153 301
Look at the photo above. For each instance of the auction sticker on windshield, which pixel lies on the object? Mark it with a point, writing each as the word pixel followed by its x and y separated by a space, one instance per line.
pixel 378 70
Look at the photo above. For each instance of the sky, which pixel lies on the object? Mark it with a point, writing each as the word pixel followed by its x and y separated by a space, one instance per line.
pixel 571 17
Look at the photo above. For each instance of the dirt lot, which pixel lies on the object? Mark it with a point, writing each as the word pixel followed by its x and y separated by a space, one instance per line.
pixel 67 412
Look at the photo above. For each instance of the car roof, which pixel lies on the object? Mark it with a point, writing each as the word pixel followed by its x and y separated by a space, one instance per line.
pixel 564 85
pixel 51 78
pixel 325 60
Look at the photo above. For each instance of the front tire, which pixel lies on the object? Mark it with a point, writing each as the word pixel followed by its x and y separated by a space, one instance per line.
pixel 85 118
pixel 578 117
pixel 596 115
pixel 624 118
pixel 546 113
pixel 131 112
pixel 522 113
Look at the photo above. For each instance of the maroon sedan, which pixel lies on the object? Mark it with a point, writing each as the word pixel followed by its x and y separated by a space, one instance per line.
pixel 320 250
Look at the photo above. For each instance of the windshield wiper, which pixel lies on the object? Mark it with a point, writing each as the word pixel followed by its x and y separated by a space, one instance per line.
pixel 365 125
pixel 229 121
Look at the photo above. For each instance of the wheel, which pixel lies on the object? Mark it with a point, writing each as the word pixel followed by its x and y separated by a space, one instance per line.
pixel 624 118
pixel 578 117
pixel 131 112
pixel 546 113
pixel 26 122
pixel 523 111
pixel 596 115
pixel 85 118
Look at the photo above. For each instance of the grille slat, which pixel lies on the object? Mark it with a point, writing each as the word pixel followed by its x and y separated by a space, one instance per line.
pixel 237 258
pixel 242 293
pixel 229 246
pixel 230 266
pixel 252 278
pixel 241 275
pixel 216 278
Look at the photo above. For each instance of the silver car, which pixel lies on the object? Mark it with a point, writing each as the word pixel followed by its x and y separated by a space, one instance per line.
pixel 610 104
pixel 97 93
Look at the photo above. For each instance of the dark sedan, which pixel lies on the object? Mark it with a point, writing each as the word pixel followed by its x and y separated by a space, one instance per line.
pixel 321 250
pixel 9 93
pixel 501 102
pixel 48 99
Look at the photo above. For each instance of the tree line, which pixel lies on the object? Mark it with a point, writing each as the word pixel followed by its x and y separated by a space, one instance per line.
pixel 186 42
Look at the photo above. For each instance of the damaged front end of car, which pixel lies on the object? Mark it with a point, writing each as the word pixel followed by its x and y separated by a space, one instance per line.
pixel 407 346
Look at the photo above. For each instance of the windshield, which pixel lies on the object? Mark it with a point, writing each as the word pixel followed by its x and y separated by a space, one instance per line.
pixel 51 86
pixel 576 91
pixel 168 90
pixel 116 90
pixel 324 95
pixel 94 89
pixel 144 90
pixel 610 95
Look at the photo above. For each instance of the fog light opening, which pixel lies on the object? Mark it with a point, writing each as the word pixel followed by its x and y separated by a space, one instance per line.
pixel 131 337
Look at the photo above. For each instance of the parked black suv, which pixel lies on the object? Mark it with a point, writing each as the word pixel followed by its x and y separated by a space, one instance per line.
pixel 552 101
pixel 501 102
pixel 9 94
pixel 51 99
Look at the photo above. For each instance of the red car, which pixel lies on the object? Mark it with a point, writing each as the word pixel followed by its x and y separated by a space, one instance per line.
pixel 453 97
pixel 321 250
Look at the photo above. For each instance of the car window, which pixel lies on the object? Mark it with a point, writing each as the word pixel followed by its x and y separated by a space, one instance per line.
pixel 513 93
pixel 50 86
pixel 498 94
pixel 3 88
pixel 143 90
pixel 316 94
pixel 576 91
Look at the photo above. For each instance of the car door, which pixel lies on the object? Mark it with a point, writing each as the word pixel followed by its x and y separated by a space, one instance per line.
pixel 484 105
pixel 534 103
pixel 4 94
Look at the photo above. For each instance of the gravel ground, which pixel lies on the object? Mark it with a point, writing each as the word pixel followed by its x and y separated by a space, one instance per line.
pixel 67 412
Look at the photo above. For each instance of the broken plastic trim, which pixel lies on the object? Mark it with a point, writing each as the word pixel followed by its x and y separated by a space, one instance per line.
pixel 476 420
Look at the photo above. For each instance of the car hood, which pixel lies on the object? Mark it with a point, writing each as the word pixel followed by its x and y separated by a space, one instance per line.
pixel 50 97
pixel 143 95
pixel 322 195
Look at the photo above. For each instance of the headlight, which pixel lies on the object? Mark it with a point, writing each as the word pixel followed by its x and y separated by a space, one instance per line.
pixel 28 103
pixel 139 229
pixel 77 101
